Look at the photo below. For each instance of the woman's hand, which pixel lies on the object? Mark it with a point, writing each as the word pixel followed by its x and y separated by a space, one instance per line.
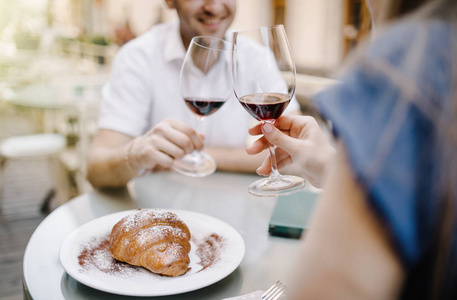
pixel 300 140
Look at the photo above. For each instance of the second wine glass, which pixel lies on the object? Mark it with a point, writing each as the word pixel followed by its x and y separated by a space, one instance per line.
pixel 205 85
pixel 263 78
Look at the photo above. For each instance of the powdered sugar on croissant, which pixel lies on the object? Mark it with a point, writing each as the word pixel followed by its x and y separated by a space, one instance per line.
pixel 155 239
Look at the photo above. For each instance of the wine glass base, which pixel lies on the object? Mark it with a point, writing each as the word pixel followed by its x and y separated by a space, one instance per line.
pixel 190 166
pixel 266 187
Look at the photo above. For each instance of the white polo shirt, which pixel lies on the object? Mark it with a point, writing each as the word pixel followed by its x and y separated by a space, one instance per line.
pixel 143 89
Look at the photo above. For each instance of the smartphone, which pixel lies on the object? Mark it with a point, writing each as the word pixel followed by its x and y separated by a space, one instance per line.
pixel 292 213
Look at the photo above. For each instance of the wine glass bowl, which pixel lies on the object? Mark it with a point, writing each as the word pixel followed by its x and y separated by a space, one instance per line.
pixel 265 107
pixel 263 80
pixel 205 87
pixel 203 106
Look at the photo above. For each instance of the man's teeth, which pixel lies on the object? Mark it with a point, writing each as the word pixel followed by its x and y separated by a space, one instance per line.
pixel 212 21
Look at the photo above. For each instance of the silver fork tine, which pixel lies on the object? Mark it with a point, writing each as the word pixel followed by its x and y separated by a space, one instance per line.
pixel 274 292
pixel 269 291
pixel 279 291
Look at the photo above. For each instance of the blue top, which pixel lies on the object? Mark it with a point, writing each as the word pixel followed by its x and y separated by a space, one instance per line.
pixel 384 110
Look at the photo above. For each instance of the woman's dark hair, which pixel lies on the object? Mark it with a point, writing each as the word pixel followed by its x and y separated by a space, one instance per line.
pixel 445 257
pixel 400 8
pixel 408 6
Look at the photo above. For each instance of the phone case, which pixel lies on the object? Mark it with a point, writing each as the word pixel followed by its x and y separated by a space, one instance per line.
pixel 292 213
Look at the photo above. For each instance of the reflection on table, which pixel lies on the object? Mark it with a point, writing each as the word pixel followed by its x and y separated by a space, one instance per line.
pixel 221 195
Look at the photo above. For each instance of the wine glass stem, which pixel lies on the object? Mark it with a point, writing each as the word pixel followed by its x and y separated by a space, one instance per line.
pixel 274 167
pixel 274 175
pixel 196 153
pixel 199 123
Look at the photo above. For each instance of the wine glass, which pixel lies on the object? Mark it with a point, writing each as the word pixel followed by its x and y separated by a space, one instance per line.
pixel 263 79
pixel 205 86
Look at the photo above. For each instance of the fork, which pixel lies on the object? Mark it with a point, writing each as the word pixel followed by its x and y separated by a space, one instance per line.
pixel 274 292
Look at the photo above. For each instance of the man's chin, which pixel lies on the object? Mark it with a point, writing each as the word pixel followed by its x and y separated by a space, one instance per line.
pixel 218 32
pixel 220 35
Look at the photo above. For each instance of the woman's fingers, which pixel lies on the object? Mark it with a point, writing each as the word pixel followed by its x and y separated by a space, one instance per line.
pixel 278 138
pixel 265 168
pixel 281 155
pixel 258 146
pixel 256 130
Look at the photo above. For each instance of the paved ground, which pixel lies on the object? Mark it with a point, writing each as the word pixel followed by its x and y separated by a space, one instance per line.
pixel 26 183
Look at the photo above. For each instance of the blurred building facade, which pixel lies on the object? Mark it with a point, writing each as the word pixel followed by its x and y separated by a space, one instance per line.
pixel 321 32
pixel 55 55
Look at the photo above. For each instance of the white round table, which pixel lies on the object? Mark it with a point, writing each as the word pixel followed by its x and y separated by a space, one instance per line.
pixel 221 195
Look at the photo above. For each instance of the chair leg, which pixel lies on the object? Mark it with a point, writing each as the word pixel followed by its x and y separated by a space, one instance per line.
pixel 2 166
pixel 46 204
pixel 60 185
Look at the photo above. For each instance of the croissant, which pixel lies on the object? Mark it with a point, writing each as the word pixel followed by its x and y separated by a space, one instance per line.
pixel 154 239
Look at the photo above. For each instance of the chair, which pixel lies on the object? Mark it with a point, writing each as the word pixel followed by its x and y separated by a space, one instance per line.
pixel 30 146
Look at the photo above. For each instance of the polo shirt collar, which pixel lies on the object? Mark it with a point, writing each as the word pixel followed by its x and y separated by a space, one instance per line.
pixel 173 46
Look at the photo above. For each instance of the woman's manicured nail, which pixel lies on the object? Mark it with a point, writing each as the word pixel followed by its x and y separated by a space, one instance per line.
pixel 267 128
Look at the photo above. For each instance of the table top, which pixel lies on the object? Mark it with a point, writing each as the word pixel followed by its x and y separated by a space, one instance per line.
pixel 221 195
pixel 44 96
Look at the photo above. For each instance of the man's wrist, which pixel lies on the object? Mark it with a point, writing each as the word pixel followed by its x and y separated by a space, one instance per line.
pixel 128 163
pixel 127 158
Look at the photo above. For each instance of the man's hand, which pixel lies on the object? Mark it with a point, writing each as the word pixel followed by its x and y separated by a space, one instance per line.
pixel 114 158
pixel 167 141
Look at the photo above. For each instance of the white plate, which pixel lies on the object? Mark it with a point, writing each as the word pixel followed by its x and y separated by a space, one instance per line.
pixel 136 281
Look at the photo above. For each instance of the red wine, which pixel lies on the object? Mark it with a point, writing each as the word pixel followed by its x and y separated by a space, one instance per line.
pixel 265 107
pixel 204 106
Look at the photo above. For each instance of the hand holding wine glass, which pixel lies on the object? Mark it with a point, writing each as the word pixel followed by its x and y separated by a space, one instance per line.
pixel 262 55
pixel 300 141
pixel 205 87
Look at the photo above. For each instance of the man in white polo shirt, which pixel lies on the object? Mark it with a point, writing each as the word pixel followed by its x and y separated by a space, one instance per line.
pixel 144 123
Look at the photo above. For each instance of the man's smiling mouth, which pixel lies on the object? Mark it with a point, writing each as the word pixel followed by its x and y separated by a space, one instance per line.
pixel 211 21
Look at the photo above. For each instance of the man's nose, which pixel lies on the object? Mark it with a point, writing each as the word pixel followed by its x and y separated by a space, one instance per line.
pixel 213 6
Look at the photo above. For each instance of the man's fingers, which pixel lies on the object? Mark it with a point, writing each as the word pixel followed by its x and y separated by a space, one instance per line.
pixel 180 134
pixel 154 157
pixel 168 147
pixel 196 140
pixel 182 139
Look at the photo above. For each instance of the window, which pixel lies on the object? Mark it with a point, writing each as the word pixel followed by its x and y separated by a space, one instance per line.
pixel 356 25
